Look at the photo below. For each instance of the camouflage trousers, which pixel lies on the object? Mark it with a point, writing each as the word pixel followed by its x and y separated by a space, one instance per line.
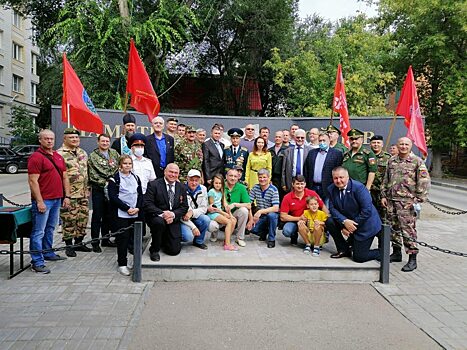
pixel 75 218
pixel 402 217
pixel 376 199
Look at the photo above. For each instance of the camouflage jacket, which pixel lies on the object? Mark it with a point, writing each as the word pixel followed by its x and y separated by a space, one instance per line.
pixel 77 170
pixel 188 156
pixel 382 162
pixel 101 168
pixel 406 180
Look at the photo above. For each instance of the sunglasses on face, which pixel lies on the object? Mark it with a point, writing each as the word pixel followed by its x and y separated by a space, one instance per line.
pixel 299 138
pixel 249 129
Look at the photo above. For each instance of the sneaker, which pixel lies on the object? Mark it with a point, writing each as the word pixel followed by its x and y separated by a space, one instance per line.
pixel 240 242
pixel 40 269
pixel 130 262
pixel 213 237
pixel 124 270
pixel 307 250
pixel 316 251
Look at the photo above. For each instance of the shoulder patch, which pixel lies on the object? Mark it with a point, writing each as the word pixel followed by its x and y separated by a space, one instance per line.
pixel 372 161
pixel 366 151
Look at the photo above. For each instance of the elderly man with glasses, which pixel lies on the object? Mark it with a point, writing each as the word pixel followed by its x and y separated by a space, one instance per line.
pixel 294 158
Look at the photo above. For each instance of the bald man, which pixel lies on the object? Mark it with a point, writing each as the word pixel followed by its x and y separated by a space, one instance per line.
pixel 159 147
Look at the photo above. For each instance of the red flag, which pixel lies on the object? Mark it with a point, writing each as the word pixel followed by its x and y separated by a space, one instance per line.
pixel 77 107
pixel 409 108
pixel 143 97
pixel 339 105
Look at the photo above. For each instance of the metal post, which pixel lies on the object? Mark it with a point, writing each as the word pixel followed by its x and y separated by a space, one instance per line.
pixel 1 199
pixel 137 251
pixel 384 252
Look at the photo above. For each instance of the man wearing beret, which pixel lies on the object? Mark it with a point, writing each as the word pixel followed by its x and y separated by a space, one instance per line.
pixel 75 216
pixel 334 134
pixel 382 157
pixel 235 155
pixel 121 145
pixel 359 161
pixel 188 153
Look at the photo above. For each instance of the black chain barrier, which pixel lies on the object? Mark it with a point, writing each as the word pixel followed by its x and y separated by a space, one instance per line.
pixel 15 204
pixel 438 206
pixel 424 244
pixel 94 240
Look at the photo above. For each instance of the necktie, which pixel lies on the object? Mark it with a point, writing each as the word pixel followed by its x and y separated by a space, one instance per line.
pixel 298 166
pixel 235 151
pixel 171 196
pixel 342 194
pixel 219 149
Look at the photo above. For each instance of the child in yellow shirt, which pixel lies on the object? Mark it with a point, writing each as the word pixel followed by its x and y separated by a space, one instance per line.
pixel 312 229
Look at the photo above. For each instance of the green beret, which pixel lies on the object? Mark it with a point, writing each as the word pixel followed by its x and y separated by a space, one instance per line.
pixel 355 133
pixel 70 131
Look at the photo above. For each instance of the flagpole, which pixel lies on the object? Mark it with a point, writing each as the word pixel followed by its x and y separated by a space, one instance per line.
pixel 125 105
pixel 391 129
pixel 68 114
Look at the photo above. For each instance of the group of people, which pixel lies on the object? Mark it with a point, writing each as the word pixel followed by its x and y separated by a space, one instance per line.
pixel 186 186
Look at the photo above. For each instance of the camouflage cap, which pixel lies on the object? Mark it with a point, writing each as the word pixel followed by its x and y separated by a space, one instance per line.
pixel 70 131
pixel 190 128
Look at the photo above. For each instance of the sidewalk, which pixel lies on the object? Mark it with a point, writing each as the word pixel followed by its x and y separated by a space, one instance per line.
pixel 457 183
pixel 85 304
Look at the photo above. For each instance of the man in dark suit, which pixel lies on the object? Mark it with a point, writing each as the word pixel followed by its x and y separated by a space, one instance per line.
pixel 353 215
pixel 213 154
pixel 318 166
pixel 159 147
pixel 294 157
pixel 277 153
pixel 165 204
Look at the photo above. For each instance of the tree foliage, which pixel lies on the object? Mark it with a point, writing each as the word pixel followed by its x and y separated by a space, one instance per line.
pixel 307 78
pixel 431 36
pixel 22 126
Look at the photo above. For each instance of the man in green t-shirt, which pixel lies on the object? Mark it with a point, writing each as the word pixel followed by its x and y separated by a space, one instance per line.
pixel 238 200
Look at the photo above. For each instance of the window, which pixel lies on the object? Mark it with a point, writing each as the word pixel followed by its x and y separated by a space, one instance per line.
pixel 17 19
pixel 17 83
pixel 33 63
pixel 17 52
pixel 1 75
pixel 34 35
pixel 3 122
pixel 33 93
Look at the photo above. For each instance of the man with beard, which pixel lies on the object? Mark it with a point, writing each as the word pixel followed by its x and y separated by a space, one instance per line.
pixel 129 126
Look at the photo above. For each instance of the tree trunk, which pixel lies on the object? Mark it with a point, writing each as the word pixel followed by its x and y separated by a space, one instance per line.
pixel 123 8
pixel 437 170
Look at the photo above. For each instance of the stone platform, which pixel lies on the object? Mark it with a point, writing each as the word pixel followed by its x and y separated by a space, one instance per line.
pixel 256 262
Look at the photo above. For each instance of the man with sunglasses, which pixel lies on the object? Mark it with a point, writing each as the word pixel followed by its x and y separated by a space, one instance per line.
pixel 359 161
pixel 248 140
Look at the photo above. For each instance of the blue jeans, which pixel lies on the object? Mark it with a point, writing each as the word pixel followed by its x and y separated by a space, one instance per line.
pixel 267 224
pixel 202 223
pixel 290 230
pixel 43 226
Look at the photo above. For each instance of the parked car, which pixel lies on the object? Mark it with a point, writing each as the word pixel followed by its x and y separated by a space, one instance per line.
pixel 11 162
pixel 25 150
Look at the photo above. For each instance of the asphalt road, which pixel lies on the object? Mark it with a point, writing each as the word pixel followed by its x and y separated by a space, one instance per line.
pixel 262 315
pixel 14 184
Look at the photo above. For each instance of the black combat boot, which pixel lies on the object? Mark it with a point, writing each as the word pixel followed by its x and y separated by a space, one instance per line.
pixel 396 255
pixel 69 251
pixel 82 247
pixel 412 264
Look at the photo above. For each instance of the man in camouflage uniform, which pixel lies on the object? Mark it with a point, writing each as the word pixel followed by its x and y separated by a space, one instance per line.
pixel 188 154
pixel 75 217
pixel 382 157
pixel 359 161
pixel 406 182
pixel 334 134
pixel 102 164
pixel 235 155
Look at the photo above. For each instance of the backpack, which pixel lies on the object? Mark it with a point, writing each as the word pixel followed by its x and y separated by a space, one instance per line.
pixel 116 179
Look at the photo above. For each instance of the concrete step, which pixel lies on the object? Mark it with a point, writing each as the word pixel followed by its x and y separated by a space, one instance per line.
pixel 256 262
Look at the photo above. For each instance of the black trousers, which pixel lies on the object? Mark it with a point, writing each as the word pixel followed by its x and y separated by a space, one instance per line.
pixel 361 251
pixel 167 237
pixel 100 213
pixel 123 239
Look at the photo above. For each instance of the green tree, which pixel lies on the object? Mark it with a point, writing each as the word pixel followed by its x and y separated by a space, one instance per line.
pixel 307 78
pixel 431 36
pixel 22 126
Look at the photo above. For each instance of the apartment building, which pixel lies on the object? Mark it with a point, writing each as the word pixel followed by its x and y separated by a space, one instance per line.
pixel 18 67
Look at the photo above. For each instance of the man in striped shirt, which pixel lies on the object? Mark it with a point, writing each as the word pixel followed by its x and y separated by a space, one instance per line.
pixel 266 198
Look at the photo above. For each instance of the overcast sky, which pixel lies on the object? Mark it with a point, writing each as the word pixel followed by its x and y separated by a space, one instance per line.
pixel 333 9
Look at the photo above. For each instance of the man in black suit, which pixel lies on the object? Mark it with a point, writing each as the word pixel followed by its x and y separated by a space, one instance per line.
pixel 294 159
pixel 165 204
pixel 213 154
pixel 277 153
pixel 159 147
pixel 318 166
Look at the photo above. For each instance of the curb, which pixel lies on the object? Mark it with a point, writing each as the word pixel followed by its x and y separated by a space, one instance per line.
pixel 444 184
